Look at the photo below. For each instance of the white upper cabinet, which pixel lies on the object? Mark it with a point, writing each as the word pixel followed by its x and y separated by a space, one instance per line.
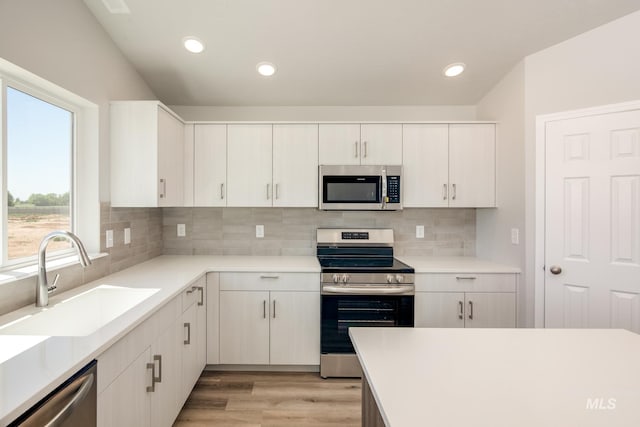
pixel 295 165
pixel 210 165
pixel 366 144
pixel 425 172
pixel 249 163
pixel 449 165
pixel 472 165
pixel 381 144
pixel 339 144
pixel 147 155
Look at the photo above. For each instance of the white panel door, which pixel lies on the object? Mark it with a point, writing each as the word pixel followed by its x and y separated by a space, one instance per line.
pixel 190 371
pixel 472 165
pixel 210 165
pixel 592 234
pixel 439 310
pixel 339 144
pixel 295 165
pixel 170 159
pixel 425 166
pixel 167 357
pixel 295 328
pixel 249 149
pixel 490 310
pixel 244 327
pixel 381 144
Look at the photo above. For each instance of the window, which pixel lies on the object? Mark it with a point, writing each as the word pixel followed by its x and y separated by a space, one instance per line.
pixel 39 165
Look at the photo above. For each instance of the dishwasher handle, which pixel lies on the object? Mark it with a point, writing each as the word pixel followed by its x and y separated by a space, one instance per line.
pixel 78 397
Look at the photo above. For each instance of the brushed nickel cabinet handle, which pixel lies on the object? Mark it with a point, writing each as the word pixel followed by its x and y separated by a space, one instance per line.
pixel 355 144
pixel 460 310
pixel 188 340
pixel 267 191
pixel 269 276
pixel 164 188
pixel 444 191
pixel 274 309
pixel 158 358
pixel 222 191
pixel 365 149
pixel 264 309
pixel 471 310
pixel 454 192
pixel 201 290
pixel 152 388
pixel 466 277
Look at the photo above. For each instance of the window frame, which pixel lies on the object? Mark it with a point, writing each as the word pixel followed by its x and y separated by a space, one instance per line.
pixel 69 102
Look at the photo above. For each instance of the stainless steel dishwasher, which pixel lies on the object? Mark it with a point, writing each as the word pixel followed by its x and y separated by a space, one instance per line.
pixel 72 404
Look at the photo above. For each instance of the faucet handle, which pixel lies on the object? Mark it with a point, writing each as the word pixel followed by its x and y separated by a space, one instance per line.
pixel 53 287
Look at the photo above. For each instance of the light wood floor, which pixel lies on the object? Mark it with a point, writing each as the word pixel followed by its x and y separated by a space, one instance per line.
pixel 270 399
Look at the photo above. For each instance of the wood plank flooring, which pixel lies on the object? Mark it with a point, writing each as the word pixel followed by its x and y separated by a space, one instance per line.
pixel 272 399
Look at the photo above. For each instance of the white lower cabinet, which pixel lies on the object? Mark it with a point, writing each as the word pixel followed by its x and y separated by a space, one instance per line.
pixel 465 300
pixel 144 379
pixel 269 319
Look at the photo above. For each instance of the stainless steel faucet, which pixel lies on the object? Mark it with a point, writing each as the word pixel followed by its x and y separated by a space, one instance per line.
pixel 42 287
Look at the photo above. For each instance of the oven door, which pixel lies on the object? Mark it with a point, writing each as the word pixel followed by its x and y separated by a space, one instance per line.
pixel 351 192
pixel 340 312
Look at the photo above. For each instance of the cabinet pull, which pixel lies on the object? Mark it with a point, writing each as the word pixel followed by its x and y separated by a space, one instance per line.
pixel 264 309
pixel 274 309
pixel 158 358
pixel 164 188
pixel 267 191
pixel 188 340
pixel 465 277
pixel 365 149
pixel 355 144
pixel 269 276
pixel 277 192
pixel 444 191
pixel 222 191
pixel 190 291
pixel 453 197
pixel 460 310
pixel 152 388
pixel 201 290
pixel 471 310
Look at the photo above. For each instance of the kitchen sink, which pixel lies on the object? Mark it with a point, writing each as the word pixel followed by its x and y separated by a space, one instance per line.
pixel 81 314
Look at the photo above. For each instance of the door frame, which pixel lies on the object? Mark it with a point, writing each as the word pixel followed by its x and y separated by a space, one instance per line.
pixel 540 192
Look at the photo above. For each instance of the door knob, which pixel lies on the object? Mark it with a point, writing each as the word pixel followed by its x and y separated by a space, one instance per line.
pixel 555 269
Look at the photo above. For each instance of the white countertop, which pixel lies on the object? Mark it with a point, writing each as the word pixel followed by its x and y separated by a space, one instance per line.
pixel 32 366
pixel 429 264
pixel 502 377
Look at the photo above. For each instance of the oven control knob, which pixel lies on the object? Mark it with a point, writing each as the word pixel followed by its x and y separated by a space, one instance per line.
pixel 336 278
pixel 390 278
pixel 399 278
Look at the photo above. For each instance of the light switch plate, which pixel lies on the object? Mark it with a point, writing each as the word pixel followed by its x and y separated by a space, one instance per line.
pixel 127 236
pixel 182 230
pixel 515 236
pixel 109 239
pixel 419 231
pixel 260 231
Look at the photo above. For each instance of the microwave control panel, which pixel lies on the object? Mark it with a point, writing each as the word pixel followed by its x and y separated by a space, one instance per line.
pixel 393 189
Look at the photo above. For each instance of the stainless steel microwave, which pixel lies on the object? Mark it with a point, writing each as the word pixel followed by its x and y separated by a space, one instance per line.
pixel 361 188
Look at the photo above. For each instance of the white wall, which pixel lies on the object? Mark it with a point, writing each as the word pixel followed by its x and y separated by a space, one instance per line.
pixel 330 113
pixel 505 104
pixel 62 42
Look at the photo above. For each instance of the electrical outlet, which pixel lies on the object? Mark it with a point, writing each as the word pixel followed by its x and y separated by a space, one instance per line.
pixel 260 231
pixel 515 236
pixel 127 236
pixel 109 239
pixel 182 230
pixel 419 231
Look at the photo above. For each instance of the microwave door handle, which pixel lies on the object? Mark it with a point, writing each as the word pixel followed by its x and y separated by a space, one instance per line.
pixel 384 188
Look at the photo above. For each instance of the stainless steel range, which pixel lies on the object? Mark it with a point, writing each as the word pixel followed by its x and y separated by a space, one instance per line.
pixel 363 285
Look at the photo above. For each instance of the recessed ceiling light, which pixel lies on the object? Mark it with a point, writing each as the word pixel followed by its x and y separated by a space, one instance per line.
pixel 453 70
pixel 266 69
pixel 193 44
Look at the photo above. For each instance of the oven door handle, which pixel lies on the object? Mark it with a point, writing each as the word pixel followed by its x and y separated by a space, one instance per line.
pixel 367 290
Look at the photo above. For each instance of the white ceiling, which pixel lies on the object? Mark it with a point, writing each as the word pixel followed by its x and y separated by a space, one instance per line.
pixel 341 52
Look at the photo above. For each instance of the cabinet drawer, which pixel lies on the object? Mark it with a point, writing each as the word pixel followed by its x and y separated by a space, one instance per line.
pixel 269 281
pixel 466 282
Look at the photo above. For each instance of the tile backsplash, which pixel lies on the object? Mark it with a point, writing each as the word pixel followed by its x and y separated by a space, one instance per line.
pixel 292 231
pixel 146 243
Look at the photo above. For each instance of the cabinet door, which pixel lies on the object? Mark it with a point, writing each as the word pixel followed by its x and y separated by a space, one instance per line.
pixel 490 310
pixel 126 402
pixel 439 310
pixel 167 357
pixel 249 149
pixel 213 318
pixel 295 165
pixel 190 372
pixel 381 144
pixel 472 165
pixel 295 328
pixel 339 144
pixel 170 159
pixel 425 167
pixel 244 327
pixel 201 327
pixel 210 165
